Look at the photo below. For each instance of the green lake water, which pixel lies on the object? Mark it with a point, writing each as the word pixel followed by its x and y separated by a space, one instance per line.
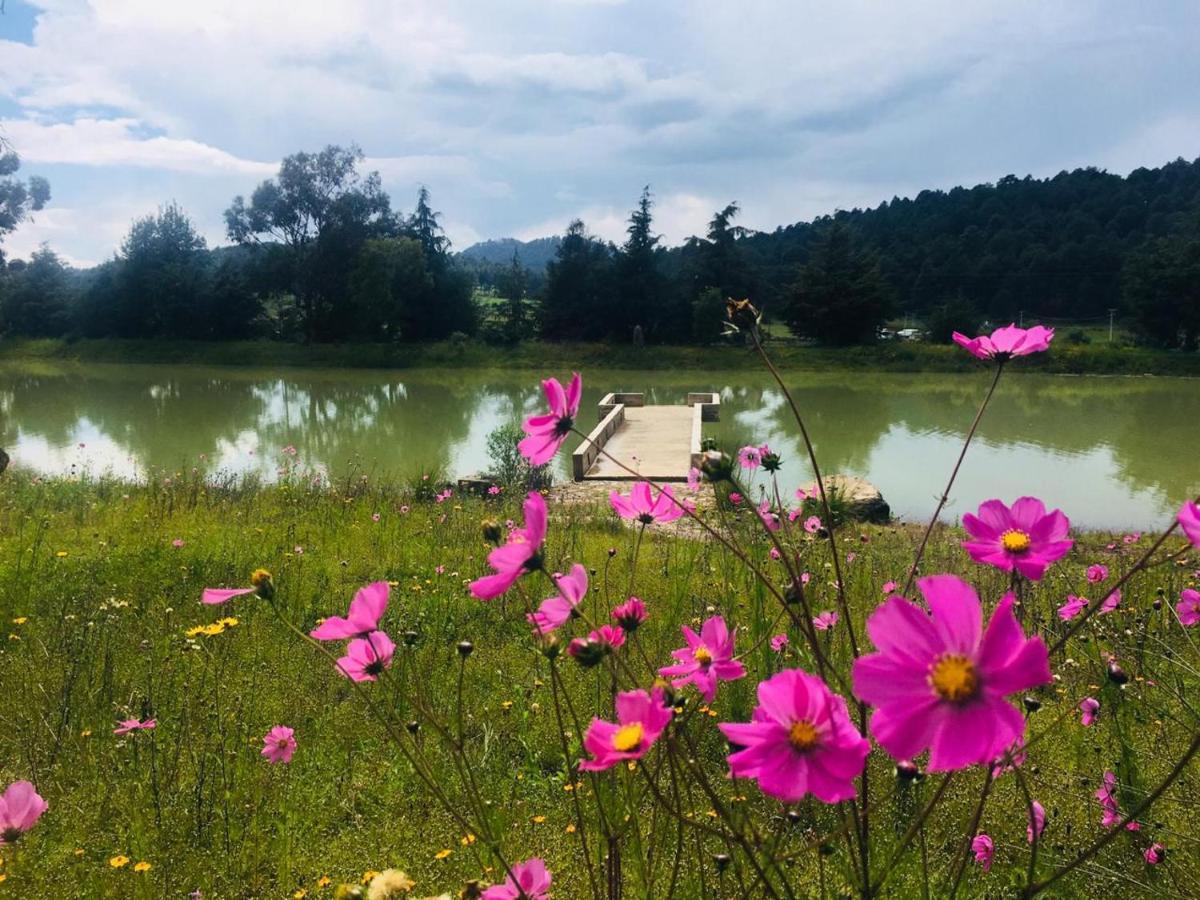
pixel 1111 452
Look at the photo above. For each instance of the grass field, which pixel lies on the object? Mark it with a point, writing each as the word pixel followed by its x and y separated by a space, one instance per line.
pixel 97 602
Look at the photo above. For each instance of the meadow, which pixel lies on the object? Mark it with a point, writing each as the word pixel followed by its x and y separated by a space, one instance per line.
pixel 100 583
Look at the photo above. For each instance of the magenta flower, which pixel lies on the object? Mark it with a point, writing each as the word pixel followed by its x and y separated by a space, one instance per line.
pixel 641 718
pixel 519 555
pixel 530 880
pixel 1188 607
pixel 1005 343
pixel 1073 607
pixel 1096 573
pixel 1089 707
pixel 547 433
pixel 641 506
pixel 609 637
pixel 1107 795
pixel 735 498
pixel 1189 520
pixel 823 621
pixel 177 543
pixel 799 741
pixel 1037 822
pixel 937 682
pixel 769 518
pixel 555 611
pixel 1154 854
pixel 20 808
pixel 125 726
pixel 366 657
pixel 707 658
pixel 1025 537
pixel 984 849
pixel 812 524
pixel 1111 602
pixel 750 457
pixel 279 744
pixel 778 642
pixel 630 614
pixel 889 587
pixel 366 609
pixel 260 584
pixel 693 479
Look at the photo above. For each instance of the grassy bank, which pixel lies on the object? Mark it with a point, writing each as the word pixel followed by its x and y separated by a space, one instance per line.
pixel 535 355
pixel 98 602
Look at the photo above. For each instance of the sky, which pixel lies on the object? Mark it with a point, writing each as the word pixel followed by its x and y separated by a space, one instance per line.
pixel 520 116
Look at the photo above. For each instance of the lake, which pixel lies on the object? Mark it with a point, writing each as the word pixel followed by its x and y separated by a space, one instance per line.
pixel 1116 453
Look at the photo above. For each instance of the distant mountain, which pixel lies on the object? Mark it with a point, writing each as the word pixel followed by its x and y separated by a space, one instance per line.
pixel 533 254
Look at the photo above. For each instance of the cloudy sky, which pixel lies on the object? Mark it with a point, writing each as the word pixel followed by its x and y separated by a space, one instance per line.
pixel 521 115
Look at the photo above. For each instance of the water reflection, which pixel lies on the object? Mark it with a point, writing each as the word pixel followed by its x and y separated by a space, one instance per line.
pixel 1113 452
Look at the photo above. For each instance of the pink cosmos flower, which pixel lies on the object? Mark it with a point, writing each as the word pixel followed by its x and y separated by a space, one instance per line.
pixel 367 656
pixel 1189 520
pixel 641 718
pixel 1024 537
pixel 1188 607
pixel 799 741
pixel 530 880
pixel 735 498
pixel 610 637
pixel 1096 573
pixel 555 611
pixel 366 609
pixel 1073 607
pixel 812 524
pixel 20 808
pixel 769 518
pixel 825 620
pixel 375 517
pixel 1107 795
pixel 1154 854
pixel 984 849
pixel 1133 537
pixel 707 658
pixel 260 584
pixel 778 642
pixel 630 614
pixel 1089 707
pixel 177 543
pixel 279 744
pixel 547 433
pixel 939 681
pixel 693 479
pixel 1005 343
pixel 801 494
pixel 1110 603
pixel 1037 822
pixel 750 457
pixel 125 726
pixel 774 553
pixel 889 587
pixel 519 555
pixel 641 506
pixel 494 490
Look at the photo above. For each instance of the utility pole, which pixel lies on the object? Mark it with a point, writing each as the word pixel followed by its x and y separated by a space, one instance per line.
pixel 1111 313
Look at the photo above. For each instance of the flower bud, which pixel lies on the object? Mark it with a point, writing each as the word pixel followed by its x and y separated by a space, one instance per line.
pixel 1116 674
pixel 261 581
pixel 413 727
pixel 771 462
pixel 586 653
pixel 907 771
pixel 722 861
pixel 465 648
pixel 492 532
pixel 410 638
pixel 1031 704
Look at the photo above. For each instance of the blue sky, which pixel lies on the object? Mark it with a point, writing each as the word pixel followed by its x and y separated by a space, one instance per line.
pixel 522 115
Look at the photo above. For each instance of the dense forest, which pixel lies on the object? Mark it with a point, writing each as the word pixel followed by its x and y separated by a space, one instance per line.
pixel 318 254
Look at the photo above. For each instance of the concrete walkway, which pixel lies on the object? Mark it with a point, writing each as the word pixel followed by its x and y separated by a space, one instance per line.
pixel 655 441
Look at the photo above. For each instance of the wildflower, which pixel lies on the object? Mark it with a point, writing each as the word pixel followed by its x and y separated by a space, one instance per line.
pixel 607 637
pixel 260 584
pixel 142 866
pixel 769 519
pixel 641 718
pixel 771 461
pixel 1107 795
pixel 741 314
pixel 1037 822
pixel 118 861
pixel 375 517
pixel 775 554
pixel 279 744
pixel 937 682
pixel 1005 343
pixel 1096 573
pixel 530 880
pixel 390 884
pixel 693 479
pixel 889 587
pixel 707 658
pixel 20 808
pixel 366 609
pixel 1111 602
pixel 1073 607
pixel 547 433
pixel 555 611
pixel 518 555
pixel 195 630
pixel 1132 537
pixel 800 740
pixel 1188 607
pixel 779 642
pixel 177 543
pixel 128 725
pixel 749 457
pixel 442 854
pixel 825 620
pixel 494 490
pixel 1154 854
pixel 1189 521
pixel 1089 708
pixel 642 507
pixel 630 614
pixel 984 849
pixel 1024 537
pixel 812 524
pixel 366 657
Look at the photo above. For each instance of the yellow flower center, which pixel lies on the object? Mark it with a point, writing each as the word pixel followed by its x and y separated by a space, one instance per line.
pixel 803 736
pixel 1014 541
pixel 954 678
pixel 259 577
pixel 702 655
pixel 628 737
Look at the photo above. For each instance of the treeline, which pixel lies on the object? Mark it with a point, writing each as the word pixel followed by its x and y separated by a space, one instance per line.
pixel 319 255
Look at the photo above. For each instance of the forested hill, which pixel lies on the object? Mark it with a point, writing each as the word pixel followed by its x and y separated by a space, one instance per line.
pixel 531 254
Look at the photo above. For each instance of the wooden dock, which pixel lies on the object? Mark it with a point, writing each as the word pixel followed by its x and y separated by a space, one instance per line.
pixel 657 442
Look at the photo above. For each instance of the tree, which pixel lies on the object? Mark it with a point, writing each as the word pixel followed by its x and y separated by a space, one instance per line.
pixel 640 287
pixel 17 198
pixel 579 288
pixel 840 295
pixel 1161 287
pixel 162 282
pixel 956 313
pixel 389 288
pixel 321 209
pixel 34 296
pixel 451 308
pixel 512 285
